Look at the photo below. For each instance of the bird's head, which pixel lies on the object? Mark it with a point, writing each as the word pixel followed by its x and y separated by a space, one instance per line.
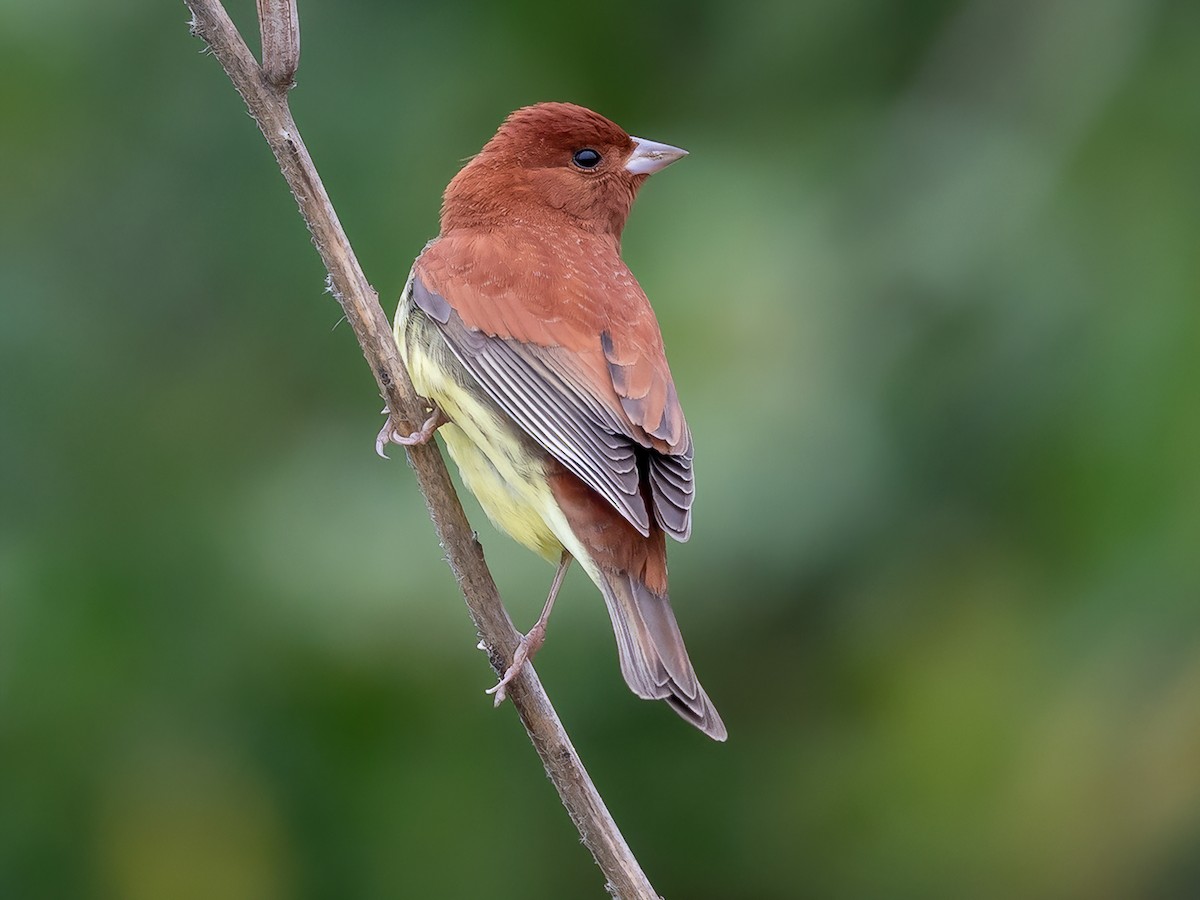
pixel 554 164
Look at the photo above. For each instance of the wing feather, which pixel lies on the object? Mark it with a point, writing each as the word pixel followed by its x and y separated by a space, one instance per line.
pixel 546 407
pixel 591 389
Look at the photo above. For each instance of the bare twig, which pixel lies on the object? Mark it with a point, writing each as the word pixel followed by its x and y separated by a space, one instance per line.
pixel 279 26
pixel 266 96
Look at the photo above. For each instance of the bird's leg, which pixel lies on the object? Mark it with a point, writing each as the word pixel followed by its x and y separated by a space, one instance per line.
pixel 389 435
pixel 531 642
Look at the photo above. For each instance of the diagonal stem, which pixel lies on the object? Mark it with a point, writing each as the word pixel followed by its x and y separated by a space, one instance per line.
pixel 267 101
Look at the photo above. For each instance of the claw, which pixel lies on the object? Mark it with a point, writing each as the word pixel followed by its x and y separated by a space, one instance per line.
pixel 389 435
pixel 383 438
pixel 529 645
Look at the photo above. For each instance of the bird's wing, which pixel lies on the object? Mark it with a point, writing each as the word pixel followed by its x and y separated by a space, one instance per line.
pixel 565 342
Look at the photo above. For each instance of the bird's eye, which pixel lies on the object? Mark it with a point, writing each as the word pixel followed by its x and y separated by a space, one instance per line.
pixel 587 158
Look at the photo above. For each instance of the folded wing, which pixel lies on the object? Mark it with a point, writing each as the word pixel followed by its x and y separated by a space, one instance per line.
pixel 589 387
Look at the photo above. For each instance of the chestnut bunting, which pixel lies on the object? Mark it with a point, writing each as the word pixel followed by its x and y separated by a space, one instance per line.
pixel 544 368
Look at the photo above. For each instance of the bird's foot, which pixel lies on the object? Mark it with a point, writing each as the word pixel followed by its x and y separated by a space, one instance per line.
pixel 529 645
pixel 388 434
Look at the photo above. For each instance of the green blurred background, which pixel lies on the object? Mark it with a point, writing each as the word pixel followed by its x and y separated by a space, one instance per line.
pixel 929 282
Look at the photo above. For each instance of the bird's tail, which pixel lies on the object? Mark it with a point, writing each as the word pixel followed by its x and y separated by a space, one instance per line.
pixel 654 660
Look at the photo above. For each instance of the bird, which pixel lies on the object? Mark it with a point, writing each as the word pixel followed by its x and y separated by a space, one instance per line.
pixel 543 368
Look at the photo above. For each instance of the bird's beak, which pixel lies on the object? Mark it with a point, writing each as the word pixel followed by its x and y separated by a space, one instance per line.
pixel 649 156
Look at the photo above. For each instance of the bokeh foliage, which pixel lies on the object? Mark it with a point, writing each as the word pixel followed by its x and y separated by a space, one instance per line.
pixel 930 286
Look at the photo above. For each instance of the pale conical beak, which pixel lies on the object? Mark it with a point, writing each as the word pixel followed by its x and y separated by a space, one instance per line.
pixel 649 156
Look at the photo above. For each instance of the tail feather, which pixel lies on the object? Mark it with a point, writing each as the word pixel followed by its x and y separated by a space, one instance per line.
pixel 654 660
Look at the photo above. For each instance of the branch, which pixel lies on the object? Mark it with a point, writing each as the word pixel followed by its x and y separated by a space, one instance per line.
pixel 266 96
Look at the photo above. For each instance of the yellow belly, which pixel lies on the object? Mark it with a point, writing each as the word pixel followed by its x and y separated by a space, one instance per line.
pixel 490 471
pixel 497 462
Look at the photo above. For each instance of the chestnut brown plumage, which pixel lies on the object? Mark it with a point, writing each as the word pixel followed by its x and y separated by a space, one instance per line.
pixel 537 346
